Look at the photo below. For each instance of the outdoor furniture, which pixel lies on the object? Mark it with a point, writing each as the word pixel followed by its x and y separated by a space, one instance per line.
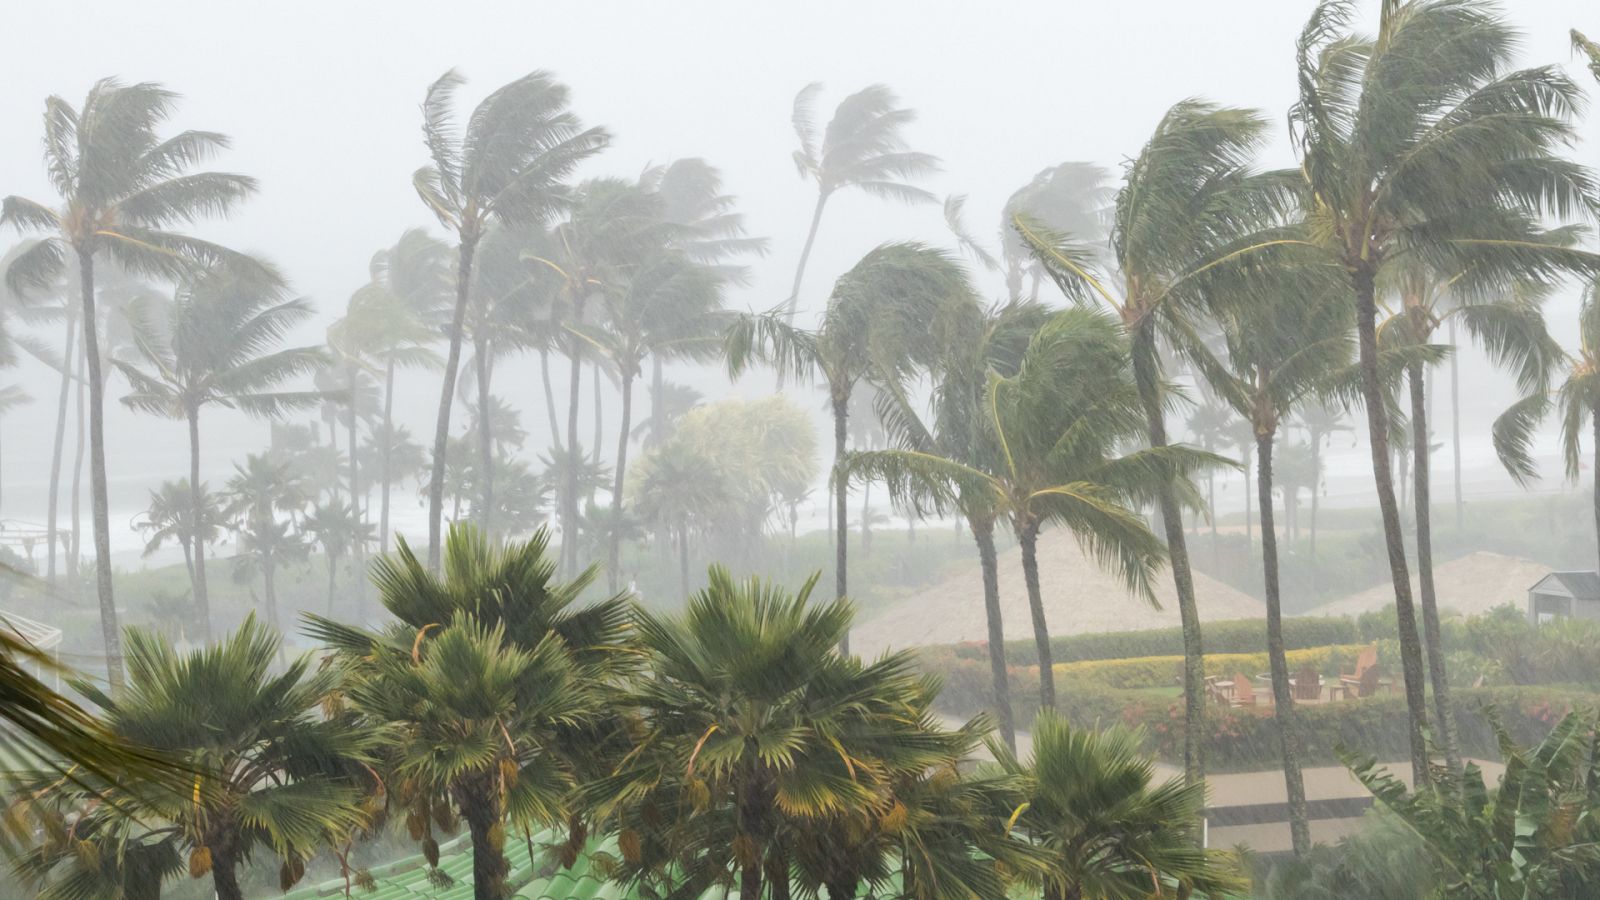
pixel 1307 684
pixel 1371 683
pixel 1244 693
pixel 1366 660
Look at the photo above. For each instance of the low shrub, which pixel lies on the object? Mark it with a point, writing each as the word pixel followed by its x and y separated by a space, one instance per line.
pixel 1232 636
pixel 1163 671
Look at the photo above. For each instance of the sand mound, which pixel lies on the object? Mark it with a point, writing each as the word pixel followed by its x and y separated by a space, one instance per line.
pixel 1079 598
pixel 1471 585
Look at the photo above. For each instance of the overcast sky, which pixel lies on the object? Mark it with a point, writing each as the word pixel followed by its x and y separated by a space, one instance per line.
pixel 321 99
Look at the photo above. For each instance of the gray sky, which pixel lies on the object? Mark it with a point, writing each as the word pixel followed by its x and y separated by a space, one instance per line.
pixel 321 99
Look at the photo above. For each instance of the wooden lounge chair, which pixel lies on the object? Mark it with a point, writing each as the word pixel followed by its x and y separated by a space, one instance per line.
pixel 1371 682
pixel 1367 659
pixel 1244 692
pixel 1308 684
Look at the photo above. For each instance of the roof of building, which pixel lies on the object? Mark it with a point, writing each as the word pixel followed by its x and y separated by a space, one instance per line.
pixel 39 635
pixel 1585 585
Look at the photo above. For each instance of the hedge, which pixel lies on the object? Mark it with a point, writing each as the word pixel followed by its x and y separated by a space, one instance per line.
pixel 1163 671
pixel 1232 636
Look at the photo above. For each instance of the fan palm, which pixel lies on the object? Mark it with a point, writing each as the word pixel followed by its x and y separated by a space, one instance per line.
pixel 489 682
pixel 886 317
pixel 269 771
pixel 862 148
pixel 1055 426
pixel 1279 353
pixel 1109 830
pixel 213 344
pixel 121 187
pixel 1185 232
pixel 1422 142
pixel 508 166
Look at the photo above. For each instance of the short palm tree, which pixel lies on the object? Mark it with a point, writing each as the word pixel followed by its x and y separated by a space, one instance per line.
pixel 1184 232
pixel 1279 354
pixel 268 769
pixel 1091 802
pixel 262 491
pixel 489 682
pixel 170 516
pixel 1056 426
pixel 862 148
pixel 886 318
pixel 212 344
pixel 339 530
pixel 678 490
pixel 1423 142
pixel 508 165
pixel 758 727
pixel 121 188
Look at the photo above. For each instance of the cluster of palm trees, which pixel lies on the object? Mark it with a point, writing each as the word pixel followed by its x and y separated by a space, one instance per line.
pixel 729 744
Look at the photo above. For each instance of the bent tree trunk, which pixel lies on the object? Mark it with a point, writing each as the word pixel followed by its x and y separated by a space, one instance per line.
pixel 805 254
pixel 111 634
pixel 480 355
pixel 1147 375
pixel 983 536
pixel 569 499
pixel 1444 720
pixel 841 490
pixel 614 557
pixel 197 510
pixel 1282 699
pixel 441 429
pixel 1028 540
pixel 51 514
pixel 1363 279
pixel 549 397
pixel 74 549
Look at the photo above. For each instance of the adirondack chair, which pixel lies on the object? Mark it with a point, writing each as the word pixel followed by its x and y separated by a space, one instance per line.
pixel 1367 659
pixel 1244 692
pixel 1370 682
pixel 1308 684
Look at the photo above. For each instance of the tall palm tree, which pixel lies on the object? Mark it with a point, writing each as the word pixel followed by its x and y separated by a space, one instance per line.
pixel 508 166
pixel 1071 198
pixel 339 529
pixel 862 148
pixel 1424 142
pixel 390 321
pixel 1278 354
pixel 121 188
pixel 268 770
pixel 885 319
pixel 1056 425
pixel 487 681
pixel 1185 232
pixel 1092 803
pixel 212 345
pixel 1321 421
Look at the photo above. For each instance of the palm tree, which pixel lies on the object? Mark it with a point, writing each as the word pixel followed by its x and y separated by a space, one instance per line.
pixel 211 345
pixel 268 771
pixel 261 489
pixel 1321 422
pixel 676 488
pixel 884 320
pixel 1278 354
pixel 339 529
pixel 1109 830
pixel 390 321
pixel 170 516
pixel 121 187
pixel 1386 129
pixel 488 682
pixel 861 148
pixel 1070 198
pixel 748 666
pixel 1056 424
pixel 1186 222
pixel 507 166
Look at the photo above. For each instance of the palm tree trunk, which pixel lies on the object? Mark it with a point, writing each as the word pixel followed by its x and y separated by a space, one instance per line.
pixel 74 555
pixel 615 557
pixel 269 582
pixel 1316 488
pixel 480 353
pixel 55 453
pixel 333 566
pixel 1455 420
pixel 441 430
pixel 1444 724
pixel 388 445
pixel 202 599
pixel 866 521
pixel 549 397
pixel 333 442
pixel 1394 539
pixel 599 415
pixel 1211 512
pixel 1147 375
pixel 658 424
pixel 481 807
pixel 841 490
pixel 683 556
pixel 1028 540
pixel 357 496
pixel 569 502
pixel 110 633
pixel 1249 513
pixel 983 535
pixel 225 876
pixel 188 557
pixel 805 254
pixel 1282 698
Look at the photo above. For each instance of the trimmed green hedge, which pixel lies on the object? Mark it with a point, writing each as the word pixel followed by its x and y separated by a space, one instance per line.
pixel 1167 671
pixel 1233 636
